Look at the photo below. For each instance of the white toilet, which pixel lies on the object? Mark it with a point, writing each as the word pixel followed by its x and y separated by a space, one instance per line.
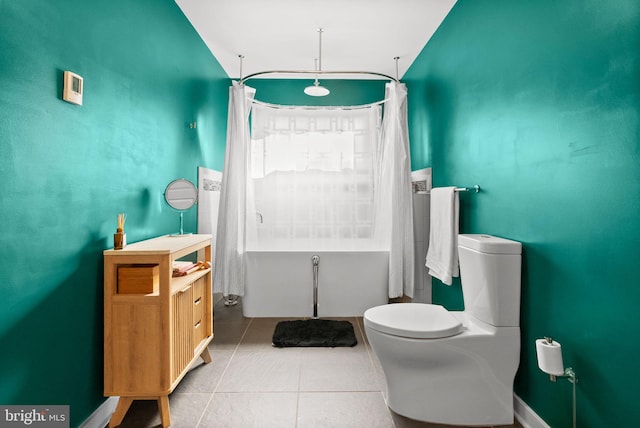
pixel 456 367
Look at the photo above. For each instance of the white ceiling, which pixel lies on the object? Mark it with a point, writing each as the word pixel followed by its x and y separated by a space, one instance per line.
pixel 362 35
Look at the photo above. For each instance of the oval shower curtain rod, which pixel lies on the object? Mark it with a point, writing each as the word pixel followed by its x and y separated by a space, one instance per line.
pixel 318 70
pixel 371 73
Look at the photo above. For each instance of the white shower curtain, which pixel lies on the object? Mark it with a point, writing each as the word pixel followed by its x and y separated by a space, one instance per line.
pixel 230 262
pixel 394 206
pixel 392 200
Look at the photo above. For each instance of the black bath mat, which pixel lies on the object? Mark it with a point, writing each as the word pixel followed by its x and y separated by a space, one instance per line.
pixel 314 332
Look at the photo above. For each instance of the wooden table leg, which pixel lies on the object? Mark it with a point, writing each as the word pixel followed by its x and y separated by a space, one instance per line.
pixel 206 356
pixel 121 410
pixel 163 406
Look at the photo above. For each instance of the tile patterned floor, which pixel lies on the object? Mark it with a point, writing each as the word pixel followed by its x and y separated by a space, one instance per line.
pixel 252 384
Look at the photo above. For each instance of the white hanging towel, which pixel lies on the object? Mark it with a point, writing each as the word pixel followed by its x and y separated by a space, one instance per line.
pixel 442 255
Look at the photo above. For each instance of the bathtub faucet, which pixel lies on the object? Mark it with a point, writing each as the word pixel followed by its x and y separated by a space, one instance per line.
pixel 315 261
pixel 259 214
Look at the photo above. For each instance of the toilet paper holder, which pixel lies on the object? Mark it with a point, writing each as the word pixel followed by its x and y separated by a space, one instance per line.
pixel 569 373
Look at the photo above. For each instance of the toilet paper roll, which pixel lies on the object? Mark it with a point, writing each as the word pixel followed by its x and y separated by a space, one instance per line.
pixel 550 357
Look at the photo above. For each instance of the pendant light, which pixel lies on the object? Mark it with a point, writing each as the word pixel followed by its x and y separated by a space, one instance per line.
pixel 316 90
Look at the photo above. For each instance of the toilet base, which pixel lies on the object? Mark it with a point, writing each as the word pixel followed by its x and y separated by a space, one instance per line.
pixel 461 380
pixel 489 409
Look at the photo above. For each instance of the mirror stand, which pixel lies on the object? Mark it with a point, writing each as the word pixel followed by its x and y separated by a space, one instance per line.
pixel 181 226
pixel 181 195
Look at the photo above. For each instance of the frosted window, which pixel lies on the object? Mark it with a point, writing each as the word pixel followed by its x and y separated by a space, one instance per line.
pixel 313 172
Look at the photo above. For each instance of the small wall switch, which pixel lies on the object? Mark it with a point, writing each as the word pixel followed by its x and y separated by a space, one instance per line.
pixel 73 88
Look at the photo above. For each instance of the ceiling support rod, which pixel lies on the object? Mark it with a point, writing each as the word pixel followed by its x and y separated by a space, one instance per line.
pixel 396 58
pixel 319 49
pixel 241 58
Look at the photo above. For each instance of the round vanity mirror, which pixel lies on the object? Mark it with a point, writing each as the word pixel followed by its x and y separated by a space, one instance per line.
pixel 181 195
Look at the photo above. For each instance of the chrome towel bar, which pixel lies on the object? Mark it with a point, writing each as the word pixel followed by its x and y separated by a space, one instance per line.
pixel 419 188
pixel 474 189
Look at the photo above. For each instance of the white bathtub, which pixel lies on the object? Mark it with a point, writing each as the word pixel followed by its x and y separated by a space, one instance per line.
pixel 280 283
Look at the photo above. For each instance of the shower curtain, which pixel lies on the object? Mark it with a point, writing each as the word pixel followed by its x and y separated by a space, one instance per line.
pixel 395 202
pixel 230 262
pixel 391 221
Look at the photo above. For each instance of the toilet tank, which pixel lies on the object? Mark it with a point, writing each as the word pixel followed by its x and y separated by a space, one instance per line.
pixel 490 269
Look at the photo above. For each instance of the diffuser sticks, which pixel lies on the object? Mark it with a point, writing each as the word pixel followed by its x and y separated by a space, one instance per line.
pixel 120 238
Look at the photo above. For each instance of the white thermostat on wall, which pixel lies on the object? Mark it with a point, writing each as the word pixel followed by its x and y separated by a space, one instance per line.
pixel 73 88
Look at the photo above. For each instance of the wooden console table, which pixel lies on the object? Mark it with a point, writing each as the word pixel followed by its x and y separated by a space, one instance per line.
pixel 155 325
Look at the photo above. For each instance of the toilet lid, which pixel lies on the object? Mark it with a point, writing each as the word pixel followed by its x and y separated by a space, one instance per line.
pixel 415 320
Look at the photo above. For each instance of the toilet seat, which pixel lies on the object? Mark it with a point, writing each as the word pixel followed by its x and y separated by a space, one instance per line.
pixel 413 320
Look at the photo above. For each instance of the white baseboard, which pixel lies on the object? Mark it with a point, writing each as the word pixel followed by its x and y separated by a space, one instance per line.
pixel 100 418
pixel 526 416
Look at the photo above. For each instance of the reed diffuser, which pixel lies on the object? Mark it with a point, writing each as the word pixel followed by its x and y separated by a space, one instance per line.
pixel 120 238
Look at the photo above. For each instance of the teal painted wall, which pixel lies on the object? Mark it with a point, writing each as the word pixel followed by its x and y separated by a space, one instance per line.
pixel 539 102
pixel 67 171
